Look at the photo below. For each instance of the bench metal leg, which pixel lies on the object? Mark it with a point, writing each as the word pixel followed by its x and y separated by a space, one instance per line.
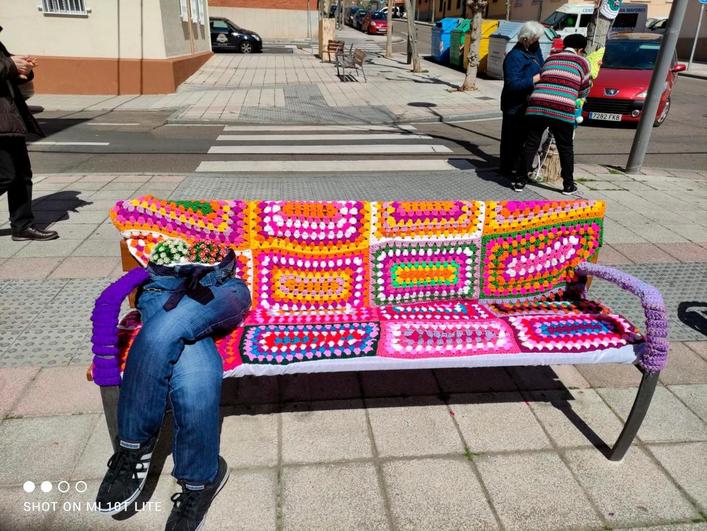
pixel 364 75
pixel 635 418
pixel 109 397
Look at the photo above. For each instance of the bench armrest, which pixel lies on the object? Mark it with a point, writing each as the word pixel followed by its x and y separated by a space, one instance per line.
pixel 106 365
pixel 655 354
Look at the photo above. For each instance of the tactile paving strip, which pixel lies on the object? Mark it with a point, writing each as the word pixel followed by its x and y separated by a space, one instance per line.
pixel 678 282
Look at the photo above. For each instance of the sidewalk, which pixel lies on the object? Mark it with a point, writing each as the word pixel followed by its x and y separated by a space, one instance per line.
pixel 300 88
pixel 698 70
pixel 438 449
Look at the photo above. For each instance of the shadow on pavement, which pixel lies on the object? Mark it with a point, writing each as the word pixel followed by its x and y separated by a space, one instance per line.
pixel 54 207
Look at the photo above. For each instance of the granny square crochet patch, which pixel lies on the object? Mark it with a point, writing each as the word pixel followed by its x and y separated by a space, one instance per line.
pixel 511 216
pixel 434 310
pixel 408 220
pixel 283 344
pixel 572 333
pixel 445 339
pixel 424 271
pixel 289 283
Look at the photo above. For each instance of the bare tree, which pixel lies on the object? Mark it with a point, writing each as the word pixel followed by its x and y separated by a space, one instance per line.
pixel 389 31
pixel 477 12
pixel 599 27
pixel 508 9
pixel 412 37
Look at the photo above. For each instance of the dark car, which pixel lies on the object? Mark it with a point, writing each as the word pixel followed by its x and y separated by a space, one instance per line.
pixel 358 18
pixel 227 37
pixel 350 14
pixel 620 90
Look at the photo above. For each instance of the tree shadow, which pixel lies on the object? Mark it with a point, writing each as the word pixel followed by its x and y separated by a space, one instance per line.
pixel 54 207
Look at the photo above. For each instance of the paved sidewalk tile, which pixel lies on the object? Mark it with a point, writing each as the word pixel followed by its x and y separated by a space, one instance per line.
pixel 698 346
pixel 97 247
pixel 13 515
pixel 13 382
pixel 320 386
pixel 403 428
pixel 436 494
pixel 347 497
pixel 85 267
pixel 497 422
pixel 577 419
pixel 614 375
pixel 667 418
pixel 608 255
pixel 92 462
pixel 399 383
pixel 27 268
pixel 477 380
pixel 634 491
pixel 249 440
pixel 686 464
pixel 684 366
pixel 330 431
pixel 694 396
pixel 685 252
pixel 535 491
pixel 643 253
pixel 246 503
pixel 59 391
pixel 570 377
pixel 55 248
pixel 42 448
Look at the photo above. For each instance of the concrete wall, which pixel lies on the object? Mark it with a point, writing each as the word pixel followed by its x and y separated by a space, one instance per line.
pixel 687 34
pixel 271 23
pixel 522 10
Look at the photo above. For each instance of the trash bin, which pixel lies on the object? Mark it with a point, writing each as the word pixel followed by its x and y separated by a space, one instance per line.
pixel 456 43
pixel 503 41
pixel 488 28
pixel 441 35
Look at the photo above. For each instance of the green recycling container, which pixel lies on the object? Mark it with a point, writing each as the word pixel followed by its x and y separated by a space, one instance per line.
pixel 456 48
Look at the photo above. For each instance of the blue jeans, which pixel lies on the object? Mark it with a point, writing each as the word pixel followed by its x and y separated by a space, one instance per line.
pixel 174 358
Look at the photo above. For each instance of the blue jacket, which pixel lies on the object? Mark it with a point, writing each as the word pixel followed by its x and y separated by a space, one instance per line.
pixel 519 67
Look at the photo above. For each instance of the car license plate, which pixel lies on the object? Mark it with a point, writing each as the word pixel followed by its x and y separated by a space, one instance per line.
pixel 605 116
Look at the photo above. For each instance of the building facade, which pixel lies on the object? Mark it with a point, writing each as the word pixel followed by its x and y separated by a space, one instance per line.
pixel 108 46
pixel 271 19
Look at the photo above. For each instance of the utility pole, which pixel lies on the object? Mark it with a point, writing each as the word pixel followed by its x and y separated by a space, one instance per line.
pixel 600 24
pixel 389 31
pixel 655 90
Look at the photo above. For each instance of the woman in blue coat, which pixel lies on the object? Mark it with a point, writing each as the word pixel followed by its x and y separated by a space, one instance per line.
pixel 521 70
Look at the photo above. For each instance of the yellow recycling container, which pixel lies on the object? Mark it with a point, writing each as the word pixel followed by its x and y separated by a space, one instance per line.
pixel 488 27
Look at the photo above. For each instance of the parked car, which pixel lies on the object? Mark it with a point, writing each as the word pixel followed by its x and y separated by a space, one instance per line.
pixel 619 92
pixel 375 23
pixel 332 10
pixel 658 25
pixel 358 18
pixel 350 14
pixel 228 37
pixel 397 13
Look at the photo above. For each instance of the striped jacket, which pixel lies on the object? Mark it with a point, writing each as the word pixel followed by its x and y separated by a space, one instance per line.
pixel 563 79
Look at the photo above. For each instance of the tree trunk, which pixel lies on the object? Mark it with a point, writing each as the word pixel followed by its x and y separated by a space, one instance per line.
pixel 598 30
pixel 389 32
pixel 434 11
pixel 508 9
pixel 412 37
pixel 477 9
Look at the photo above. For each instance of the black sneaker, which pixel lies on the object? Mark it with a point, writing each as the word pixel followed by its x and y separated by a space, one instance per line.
pixel 569 190
pixel 190 506
pixel 122 484
pixel 34 234
pixel 518 186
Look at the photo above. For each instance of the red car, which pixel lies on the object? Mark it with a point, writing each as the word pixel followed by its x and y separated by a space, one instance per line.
pixel 619 92
pixel 375 23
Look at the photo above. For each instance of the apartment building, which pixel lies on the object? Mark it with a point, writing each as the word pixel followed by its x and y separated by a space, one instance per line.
pixel 108 46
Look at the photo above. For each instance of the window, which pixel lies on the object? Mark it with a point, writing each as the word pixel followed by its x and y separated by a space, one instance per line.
pixel 584 20
pixel 625 20
pixel 220 26
pixel 197 11
pixel 183 11
pixel 64 7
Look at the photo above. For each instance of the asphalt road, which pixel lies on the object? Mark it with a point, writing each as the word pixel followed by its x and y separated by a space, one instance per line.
pixel 143 142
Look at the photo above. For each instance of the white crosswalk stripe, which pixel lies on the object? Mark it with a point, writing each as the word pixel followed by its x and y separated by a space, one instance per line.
pixel 327 149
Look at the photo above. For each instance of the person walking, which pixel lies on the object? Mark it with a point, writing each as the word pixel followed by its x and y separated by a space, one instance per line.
pixel 521 70
pixel 565 78
pixel 16 121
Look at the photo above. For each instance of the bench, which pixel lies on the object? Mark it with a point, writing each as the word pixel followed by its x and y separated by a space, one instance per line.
pixel 355 286
pixel 353 61
pixel 333 47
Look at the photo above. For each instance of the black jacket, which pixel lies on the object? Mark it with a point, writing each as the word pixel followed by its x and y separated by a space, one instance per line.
pixel 15 118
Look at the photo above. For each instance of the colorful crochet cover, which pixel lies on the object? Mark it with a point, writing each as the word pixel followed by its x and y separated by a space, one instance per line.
pixel 354 282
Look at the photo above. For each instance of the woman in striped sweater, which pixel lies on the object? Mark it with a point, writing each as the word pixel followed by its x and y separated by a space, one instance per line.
pixel 563 80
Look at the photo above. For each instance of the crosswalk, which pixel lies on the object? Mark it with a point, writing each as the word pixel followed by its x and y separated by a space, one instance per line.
pixel 327 149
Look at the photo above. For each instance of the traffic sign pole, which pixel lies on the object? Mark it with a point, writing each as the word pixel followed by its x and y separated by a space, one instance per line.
pixel 697 33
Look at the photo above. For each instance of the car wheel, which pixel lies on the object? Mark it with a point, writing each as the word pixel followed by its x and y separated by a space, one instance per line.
pixel 660 119
pixel 246 47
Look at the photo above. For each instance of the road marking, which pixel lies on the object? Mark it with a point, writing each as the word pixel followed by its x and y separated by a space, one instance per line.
pixel 383 149
pixel 318 128
pixel 342 136
pixel 48 143
pixel 332 166
pixel 476 120
pixel 193 125
pixel 112 124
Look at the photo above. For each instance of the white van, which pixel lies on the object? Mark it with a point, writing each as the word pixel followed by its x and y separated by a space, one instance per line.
pixel 574 18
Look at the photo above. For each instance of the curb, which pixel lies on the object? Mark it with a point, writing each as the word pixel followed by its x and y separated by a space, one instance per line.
pixel 693 75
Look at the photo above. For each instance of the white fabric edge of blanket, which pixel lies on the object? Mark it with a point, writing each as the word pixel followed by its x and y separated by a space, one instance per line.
pixel 626 355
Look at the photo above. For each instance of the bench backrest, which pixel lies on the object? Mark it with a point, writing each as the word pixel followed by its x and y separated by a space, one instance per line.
pixel 333 46
pixel 303 255
pixel 359 56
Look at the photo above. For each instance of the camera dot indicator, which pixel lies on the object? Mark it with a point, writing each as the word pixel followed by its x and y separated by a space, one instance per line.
pixel 28 486
pixel 46 486
pixel 81 486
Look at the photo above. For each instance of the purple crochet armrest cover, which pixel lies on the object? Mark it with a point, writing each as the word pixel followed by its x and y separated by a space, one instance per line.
pixel 106 363
pixel 655 354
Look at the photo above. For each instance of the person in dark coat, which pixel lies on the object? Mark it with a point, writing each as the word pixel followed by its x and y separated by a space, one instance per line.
pixel 521 70
pixel 16 121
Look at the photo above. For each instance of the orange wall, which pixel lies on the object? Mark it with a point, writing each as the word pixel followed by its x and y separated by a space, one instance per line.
pixel 266 4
